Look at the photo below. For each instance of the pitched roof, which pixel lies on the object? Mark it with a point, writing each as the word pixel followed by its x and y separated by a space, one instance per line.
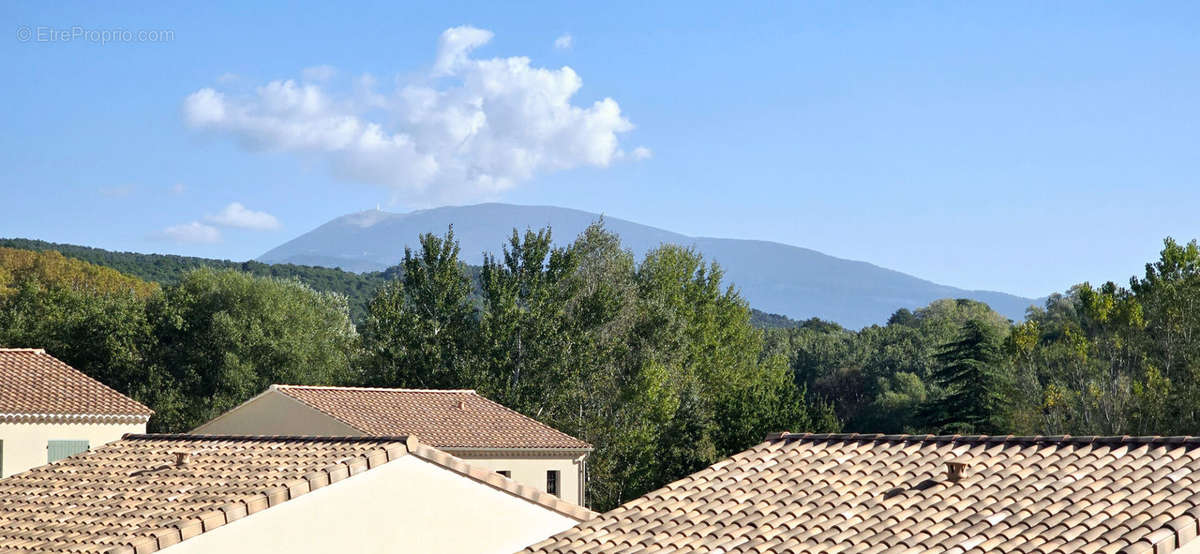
pixel 34 382
pixel 129 496
pixel 442 418
pixel 873 493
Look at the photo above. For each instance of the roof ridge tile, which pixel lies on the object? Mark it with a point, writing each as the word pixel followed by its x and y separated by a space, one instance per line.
pixel 1014 439
pixel 159 537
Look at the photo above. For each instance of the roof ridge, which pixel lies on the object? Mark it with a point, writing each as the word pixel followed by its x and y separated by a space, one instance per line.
pixel 157 538
pixel 375 389
pixel 33 350
pixel 1023 439
pixel 154 539
pixel 269 438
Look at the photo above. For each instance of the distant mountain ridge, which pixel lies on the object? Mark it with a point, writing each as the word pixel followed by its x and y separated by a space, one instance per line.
pixel 778 278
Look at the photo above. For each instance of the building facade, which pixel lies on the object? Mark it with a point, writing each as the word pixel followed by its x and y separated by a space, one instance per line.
pixel 49 410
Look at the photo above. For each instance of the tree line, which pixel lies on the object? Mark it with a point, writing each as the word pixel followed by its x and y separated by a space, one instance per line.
pixel 652 360
pixel 1096 360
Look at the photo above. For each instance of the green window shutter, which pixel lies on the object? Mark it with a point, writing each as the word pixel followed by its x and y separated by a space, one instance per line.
pixel 57 450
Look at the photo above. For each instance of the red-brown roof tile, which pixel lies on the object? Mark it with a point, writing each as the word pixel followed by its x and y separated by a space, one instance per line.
pixel 34 382
pixel 871 493
pixel 456 419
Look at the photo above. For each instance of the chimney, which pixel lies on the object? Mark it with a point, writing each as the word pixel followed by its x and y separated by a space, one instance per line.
pixel 956 469
pixel 182 457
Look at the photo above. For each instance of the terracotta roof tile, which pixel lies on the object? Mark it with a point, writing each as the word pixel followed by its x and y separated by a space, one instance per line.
pixel 885 494
pixel 442 418
pixel 129 496
pixel 34 382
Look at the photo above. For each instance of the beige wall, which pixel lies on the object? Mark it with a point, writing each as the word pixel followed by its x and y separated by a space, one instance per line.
pixel 531 471
pixel 408 505
pixel 24 444
pixel 1190 547
pixel 272 413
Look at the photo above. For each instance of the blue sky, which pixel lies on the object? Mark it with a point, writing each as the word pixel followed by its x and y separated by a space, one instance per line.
pixel 1020 147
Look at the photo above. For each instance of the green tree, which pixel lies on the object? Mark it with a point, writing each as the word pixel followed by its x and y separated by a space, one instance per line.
pixel 91 317
pixel 1169 294
pixel 105 335
pixel 224 336
pixel 420 327
pixel 973 389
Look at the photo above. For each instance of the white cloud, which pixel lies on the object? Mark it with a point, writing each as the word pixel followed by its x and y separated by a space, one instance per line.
pixel 455 46
pixel 204 107
pixel 466 129
pixel 319 73
pixel 177 189
pixel 642 153
pixel 194 232
pixel 236 215
pixel 227 78
pixel 564 41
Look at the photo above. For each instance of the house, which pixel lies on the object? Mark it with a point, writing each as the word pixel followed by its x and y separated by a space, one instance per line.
pixel 900 493
pixel 49 410
pixel 459 422
pixel 239 494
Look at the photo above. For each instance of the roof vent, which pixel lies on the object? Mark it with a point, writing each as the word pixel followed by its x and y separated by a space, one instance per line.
pixel 182 458
pixel 462 405
pixel 956 469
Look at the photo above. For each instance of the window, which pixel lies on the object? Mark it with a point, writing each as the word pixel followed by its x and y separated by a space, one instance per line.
pixel 57 450
pixel 505 473
pixel 552 482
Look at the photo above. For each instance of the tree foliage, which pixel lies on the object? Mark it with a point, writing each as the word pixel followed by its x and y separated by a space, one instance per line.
pixel 655 361
pixel 974 390
pixel 652 362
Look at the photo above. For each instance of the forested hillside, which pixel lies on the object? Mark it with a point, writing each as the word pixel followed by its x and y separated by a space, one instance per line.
pixel 358 288
pixel 649 358
pixel 168 269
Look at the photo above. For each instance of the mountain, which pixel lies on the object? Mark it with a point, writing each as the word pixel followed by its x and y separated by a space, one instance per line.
pixel 778 278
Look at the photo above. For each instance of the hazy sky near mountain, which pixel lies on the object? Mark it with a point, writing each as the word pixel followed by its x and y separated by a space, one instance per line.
pixel 1019 147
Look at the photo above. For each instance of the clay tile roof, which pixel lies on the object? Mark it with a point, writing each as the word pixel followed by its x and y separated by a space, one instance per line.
pixel 874 493
pixel 70 505
pixel 442 418
pixel 33 382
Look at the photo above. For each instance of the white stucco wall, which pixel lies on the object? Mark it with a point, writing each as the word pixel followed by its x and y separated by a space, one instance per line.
pixel 24 444
pixel 408 505
pixel 531 471
pixel 273 413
